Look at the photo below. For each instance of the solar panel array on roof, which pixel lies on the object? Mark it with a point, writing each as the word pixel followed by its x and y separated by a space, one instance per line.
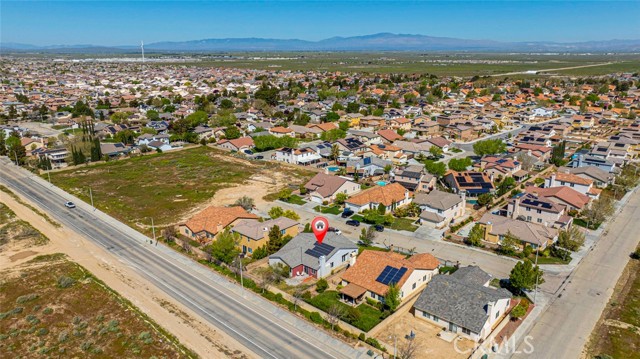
pixel 536 203
pixel 318 250
pixel 486 185
pixel 391 275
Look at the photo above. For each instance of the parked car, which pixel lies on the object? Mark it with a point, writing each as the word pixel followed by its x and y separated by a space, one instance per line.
pixel 347 213
pixel 379 227
pixel 335 230
pixel 69 204
pixel 353 222
pixel 259 157
pixel 248 152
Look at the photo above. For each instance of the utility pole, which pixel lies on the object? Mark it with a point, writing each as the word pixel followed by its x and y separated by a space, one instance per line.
pixel 91 196
pixel 240 256
pixel 153 229
pixel 49 175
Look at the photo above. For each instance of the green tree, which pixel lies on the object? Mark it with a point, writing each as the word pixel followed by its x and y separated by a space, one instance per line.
pixel 245 202
pixel 232 132
pixel 353 107
pixel 335 152
pixel 226 104
pixel 460 164
pixel 509 244
pixel 392 298
pixel 523 276
pixel 599 210
pixel 276 212
pixel 435 152
pixel 15 149
pixel 518 312
pixel 437 169
pixel 382 209
pixel 489 147
pixel 332 117
pixel 333 135
pixel 291 215
pixel 321 285
pixel 476 235
pixel 571 238
pixel 225 248
pixel 3 144
pixel 341 198
pixel 485 199
pixel 367 235
pixel 274 243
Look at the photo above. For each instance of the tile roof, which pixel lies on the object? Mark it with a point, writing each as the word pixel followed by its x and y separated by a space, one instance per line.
pixel 437 199
pixel 387 195
pixel 257 230
pixel 570 178
pixel 370 264
pixel 212 218
pixel 525 231
pixel 325 184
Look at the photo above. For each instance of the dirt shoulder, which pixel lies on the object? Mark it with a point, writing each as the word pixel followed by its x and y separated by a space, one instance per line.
pixel 204 339
pixel 613 335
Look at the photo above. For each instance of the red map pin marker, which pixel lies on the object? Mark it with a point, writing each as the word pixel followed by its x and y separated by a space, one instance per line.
pixel 320 226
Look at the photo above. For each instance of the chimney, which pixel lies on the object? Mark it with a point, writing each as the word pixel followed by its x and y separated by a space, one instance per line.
pixel 488 229
pixel 352 258
pixel 391 248
pixel 489 309
pixel 553 180
pixel 516 207
pixel 322 264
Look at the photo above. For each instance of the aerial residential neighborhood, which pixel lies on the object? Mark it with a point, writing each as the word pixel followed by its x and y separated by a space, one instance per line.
pixel 379 196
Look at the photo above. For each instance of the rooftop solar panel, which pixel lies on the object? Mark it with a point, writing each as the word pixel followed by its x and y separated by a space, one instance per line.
pixel 318 250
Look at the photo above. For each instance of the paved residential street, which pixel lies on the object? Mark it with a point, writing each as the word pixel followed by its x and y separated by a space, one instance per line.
pixel 564 328
pixel 267 330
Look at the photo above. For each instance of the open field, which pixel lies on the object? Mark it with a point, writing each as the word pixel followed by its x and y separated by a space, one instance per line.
pixel 169 187
pixel 440 64
pixel 53 307
pixel 617 334
pixel 16 233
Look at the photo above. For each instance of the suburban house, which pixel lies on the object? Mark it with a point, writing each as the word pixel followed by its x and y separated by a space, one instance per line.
pixel 367 166
pixel 238 144
pixel 297 156
pixel 324 187
pixel 440 208
pixel 255 234
pixel 205 225
pixel 580 184
pixel 563 195
pixel 498 166
pixel 280 131
pixel 600 177
pixel 389 135
pixel 533 208
pixel 414 178
pixel 373 272
pixel 114 149
pixel 441 142
pixel 528 233
pixel 472 183
pixel 391 196
pixel 305 256
pixel 463 303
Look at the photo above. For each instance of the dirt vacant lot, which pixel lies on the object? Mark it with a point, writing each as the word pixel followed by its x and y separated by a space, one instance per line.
pixel 617 334
pixel 52 307
pixel 169 187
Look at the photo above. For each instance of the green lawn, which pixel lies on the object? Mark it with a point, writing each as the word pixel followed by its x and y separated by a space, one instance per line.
pixel 357 217
pixel 582 223
pixel 328 209
pixel 369 317
pixel 161 186
pixel 403 224
pixel 295 199
pixel 548 260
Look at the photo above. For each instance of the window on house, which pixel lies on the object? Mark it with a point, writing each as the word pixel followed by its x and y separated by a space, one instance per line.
pixel 497 314
pixel 539 220
pixel 424 278
pixel 413 286
pixel 435 319
pixel 528 218
pixel 250 250
pixel 528 209
pixel 539 211
pixel 466 331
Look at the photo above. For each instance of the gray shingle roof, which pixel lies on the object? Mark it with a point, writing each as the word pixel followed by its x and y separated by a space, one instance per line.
pixel 293 253
pixel 460 299
pixel 437 199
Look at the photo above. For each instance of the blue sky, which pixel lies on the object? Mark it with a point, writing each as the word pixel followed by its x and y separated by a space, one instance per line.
pixel 128 22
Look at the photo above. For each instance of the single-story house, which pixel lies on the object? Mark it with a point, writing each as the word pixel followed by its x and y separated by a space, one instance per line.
pixel 528 233
pixel 304 255
pixel 205 225
pixel 391 196
pixel 255 234
pixel 463 303
pixel 324 187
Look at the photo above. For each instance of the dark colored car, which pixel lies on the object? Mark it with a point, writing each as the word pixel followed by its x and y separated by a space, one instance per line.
pixel 259 157
pixel 353 222
pixel 379 227
pixel 347 213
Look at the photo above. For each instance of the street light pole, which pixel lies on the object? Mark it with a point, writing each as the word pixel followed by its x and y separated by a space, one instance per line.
pixel 91 196
pixel 153 229
pixel 240 256
pixel 49 176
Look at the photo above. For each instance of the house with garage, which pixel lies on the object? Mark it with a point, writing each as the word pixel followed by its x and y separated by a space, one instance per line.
pixel 536 235
pixel 208 223
pixel 305 256
pixel 254 234
pixel 414 178
pixel 600 177
pixel 440 208
pixel 324 187
pixel 390 196
pixel 566 196
pixel 472 183
pixel 531 207
pixel 499 166
pixel 237 145
pixel 297 156
pixel 578 183
pixel 463 303
pixel 374 271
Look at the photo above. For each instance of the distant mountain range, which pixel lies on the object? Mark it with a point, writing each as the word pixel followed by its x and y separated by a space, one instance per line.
pixel 375 42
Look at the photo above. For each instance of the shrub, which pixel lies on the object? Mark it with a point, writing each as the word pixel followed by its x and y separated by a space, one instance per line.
pixel 362 337
pixel 322 285
pixel 316 318
pixel 26 298
pixel 65 282
pixel 63 336
pixel 43 331
pixel 47 311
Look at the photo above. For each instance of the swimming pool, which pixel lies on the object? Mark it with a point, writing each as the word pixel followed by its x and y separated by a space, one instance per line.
pixel 381 183
pixel 333 168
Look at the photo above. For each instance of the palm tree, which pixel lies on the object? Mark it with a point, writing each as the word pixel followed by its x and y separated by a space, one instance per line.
pixel 335 152
pixel 387 170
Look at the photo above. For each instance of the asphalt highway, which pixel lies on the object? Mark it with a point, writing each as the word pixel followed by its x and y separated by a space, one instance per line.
pixel 267 330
